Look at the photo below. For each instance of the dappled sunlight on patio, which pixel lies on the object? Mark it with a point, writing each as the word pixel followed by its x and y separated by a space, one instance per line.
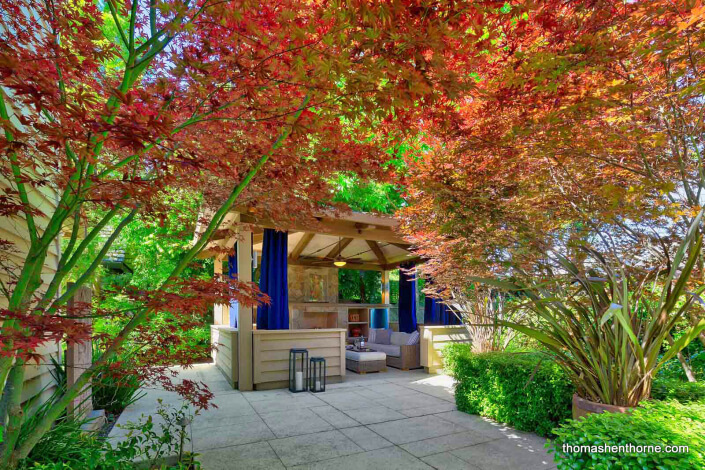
pixel 393 419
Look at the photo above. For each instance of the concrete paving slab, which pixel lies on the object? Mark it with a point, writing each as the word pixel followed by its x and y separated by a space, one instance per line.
pixel 476 423
pixel 428 410
pixel 395 420
pixel 408 402
pixel 390 390
pixel 226 436
pixel 415 429
pixel 392 458
pixel 506 453
pixel 257 456
pixel 334 417
pixel 445 443
pixel 266 395
pixel 215 420
pixel 309 448
pixel 448 461
pixel 374 414
pixel 295 422
pixel 293 402
pixel 346 401
pixel 366 438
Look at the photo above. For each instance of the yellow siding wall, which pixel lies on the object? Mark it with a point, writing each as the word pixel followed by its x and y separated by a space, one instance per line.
pixel 38 379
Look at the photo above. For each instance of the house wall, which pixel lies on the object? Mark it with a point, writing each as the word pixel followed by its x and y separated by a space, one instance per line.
pixel 38 378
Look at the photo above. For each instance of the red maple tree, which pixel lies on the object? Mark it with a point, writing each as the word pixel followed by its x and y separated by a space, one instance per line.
pixel 238 99
pixel 586 128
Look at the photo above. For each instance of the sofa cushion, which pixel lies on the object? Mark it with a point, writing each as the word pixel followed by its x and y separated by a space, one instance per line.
pixel 399 339
pixel 382 335
pixel 413 338
pixel 388 349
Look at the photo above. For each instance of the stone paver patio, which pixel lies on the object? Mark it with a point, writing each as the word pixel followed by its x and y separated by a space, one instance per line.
pixel 391 420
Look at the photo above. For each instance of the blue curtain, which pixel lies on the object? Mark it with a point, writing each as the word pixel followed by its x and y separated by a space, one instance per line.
pixel 446 315
pixel 438 313
pixel 232 274
pixel 407 298
pixel 273 282
pixel 430 311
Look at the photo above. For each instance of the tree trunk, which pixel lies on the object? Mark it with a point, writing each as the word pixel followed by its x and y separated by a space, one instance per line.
pixel 686 368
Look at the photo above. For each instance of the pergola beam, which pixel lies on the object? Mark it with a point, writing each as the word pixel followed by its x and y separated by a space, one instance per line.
pixel 374 246
pixel 339 247
pixel 301 246
pixel 317 263
pixel 335 228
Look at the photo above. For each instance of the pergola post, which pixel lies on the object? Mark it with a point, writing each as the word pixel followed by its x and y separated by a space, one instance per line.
pixel 386 297
pixel 244 321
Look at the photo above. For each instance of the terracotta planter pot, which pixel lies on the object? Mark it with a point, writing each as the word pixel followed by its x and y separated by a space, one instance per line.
pixel 583 407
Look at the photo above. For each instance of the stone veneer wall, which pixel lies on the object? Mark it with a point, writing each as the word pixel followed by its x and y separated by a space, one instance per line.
pixel 298 290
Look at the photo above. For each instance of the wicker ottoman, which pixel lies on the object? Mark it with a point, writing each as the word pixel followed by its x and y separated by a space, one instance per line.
pixel 363 362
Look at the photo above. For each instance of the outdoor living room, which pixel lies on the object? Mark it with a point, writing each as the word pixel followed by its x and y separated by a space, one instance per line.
pixel 352 234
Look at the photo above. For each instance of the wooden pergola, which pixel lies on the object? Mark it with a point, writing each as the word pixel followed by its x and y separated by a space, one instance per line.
pixel 371 239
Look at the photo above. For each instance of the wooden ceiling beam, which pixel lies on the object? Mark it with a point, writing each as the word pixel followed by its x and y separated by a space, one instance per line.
pixel 374 246
pixel 335 228
pixel 301 246
pixel 340 246
pixel 329 264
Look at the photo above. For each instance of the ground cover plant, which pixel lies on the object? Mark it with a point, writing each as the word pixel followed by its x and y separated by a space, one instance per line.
pixel 667 423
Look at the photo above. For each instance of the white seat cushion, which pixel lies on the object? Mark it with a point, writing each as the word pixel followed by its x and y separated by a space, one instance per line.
pixel 365 356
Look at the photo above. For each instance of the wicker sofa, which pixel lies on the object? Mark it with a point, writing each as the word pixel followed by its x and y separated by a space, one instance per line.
pixel 400 354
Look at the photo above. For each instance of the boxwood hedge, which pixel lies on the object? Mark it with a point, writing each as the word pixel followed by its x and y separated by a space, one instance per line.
pixel 497 385
pixel 662 423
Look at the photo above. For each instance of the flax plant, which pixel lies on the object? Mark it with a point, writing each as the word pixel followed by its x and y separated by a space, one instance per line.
pixel 607 326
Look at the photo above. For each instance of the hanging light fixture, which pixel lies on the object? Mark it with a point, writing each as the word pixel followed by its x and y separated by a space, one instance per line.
pixel 339 261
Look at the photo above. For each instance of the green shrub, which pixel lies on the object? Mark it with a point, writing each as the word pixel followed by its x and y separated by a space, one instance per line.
pixel 694 355
pixel 653 423
pixel 679 390
pixel 526 391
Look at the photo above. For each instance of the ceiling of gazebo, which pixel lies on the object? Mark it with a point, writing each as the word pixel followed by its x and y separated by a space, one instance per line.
pixel 370 239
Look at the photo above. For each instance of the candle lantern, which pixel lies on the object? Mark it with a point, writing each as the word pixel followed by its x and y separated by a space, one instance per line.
pixel 317 370
pixel 298 370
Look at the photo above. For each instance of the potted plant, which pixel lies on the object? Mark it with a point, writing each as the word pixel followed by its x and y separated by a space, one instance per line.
pixel 606 325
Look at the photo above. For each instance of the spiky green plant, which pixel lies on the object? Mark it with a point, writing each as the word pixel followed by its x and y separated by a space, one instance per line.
pixel 606 326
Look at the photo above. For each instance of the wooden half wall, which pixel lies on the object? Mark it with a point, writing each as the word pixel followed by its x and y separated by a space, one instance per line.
pixel 271 354
pixel 225 343
pixel 434 339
